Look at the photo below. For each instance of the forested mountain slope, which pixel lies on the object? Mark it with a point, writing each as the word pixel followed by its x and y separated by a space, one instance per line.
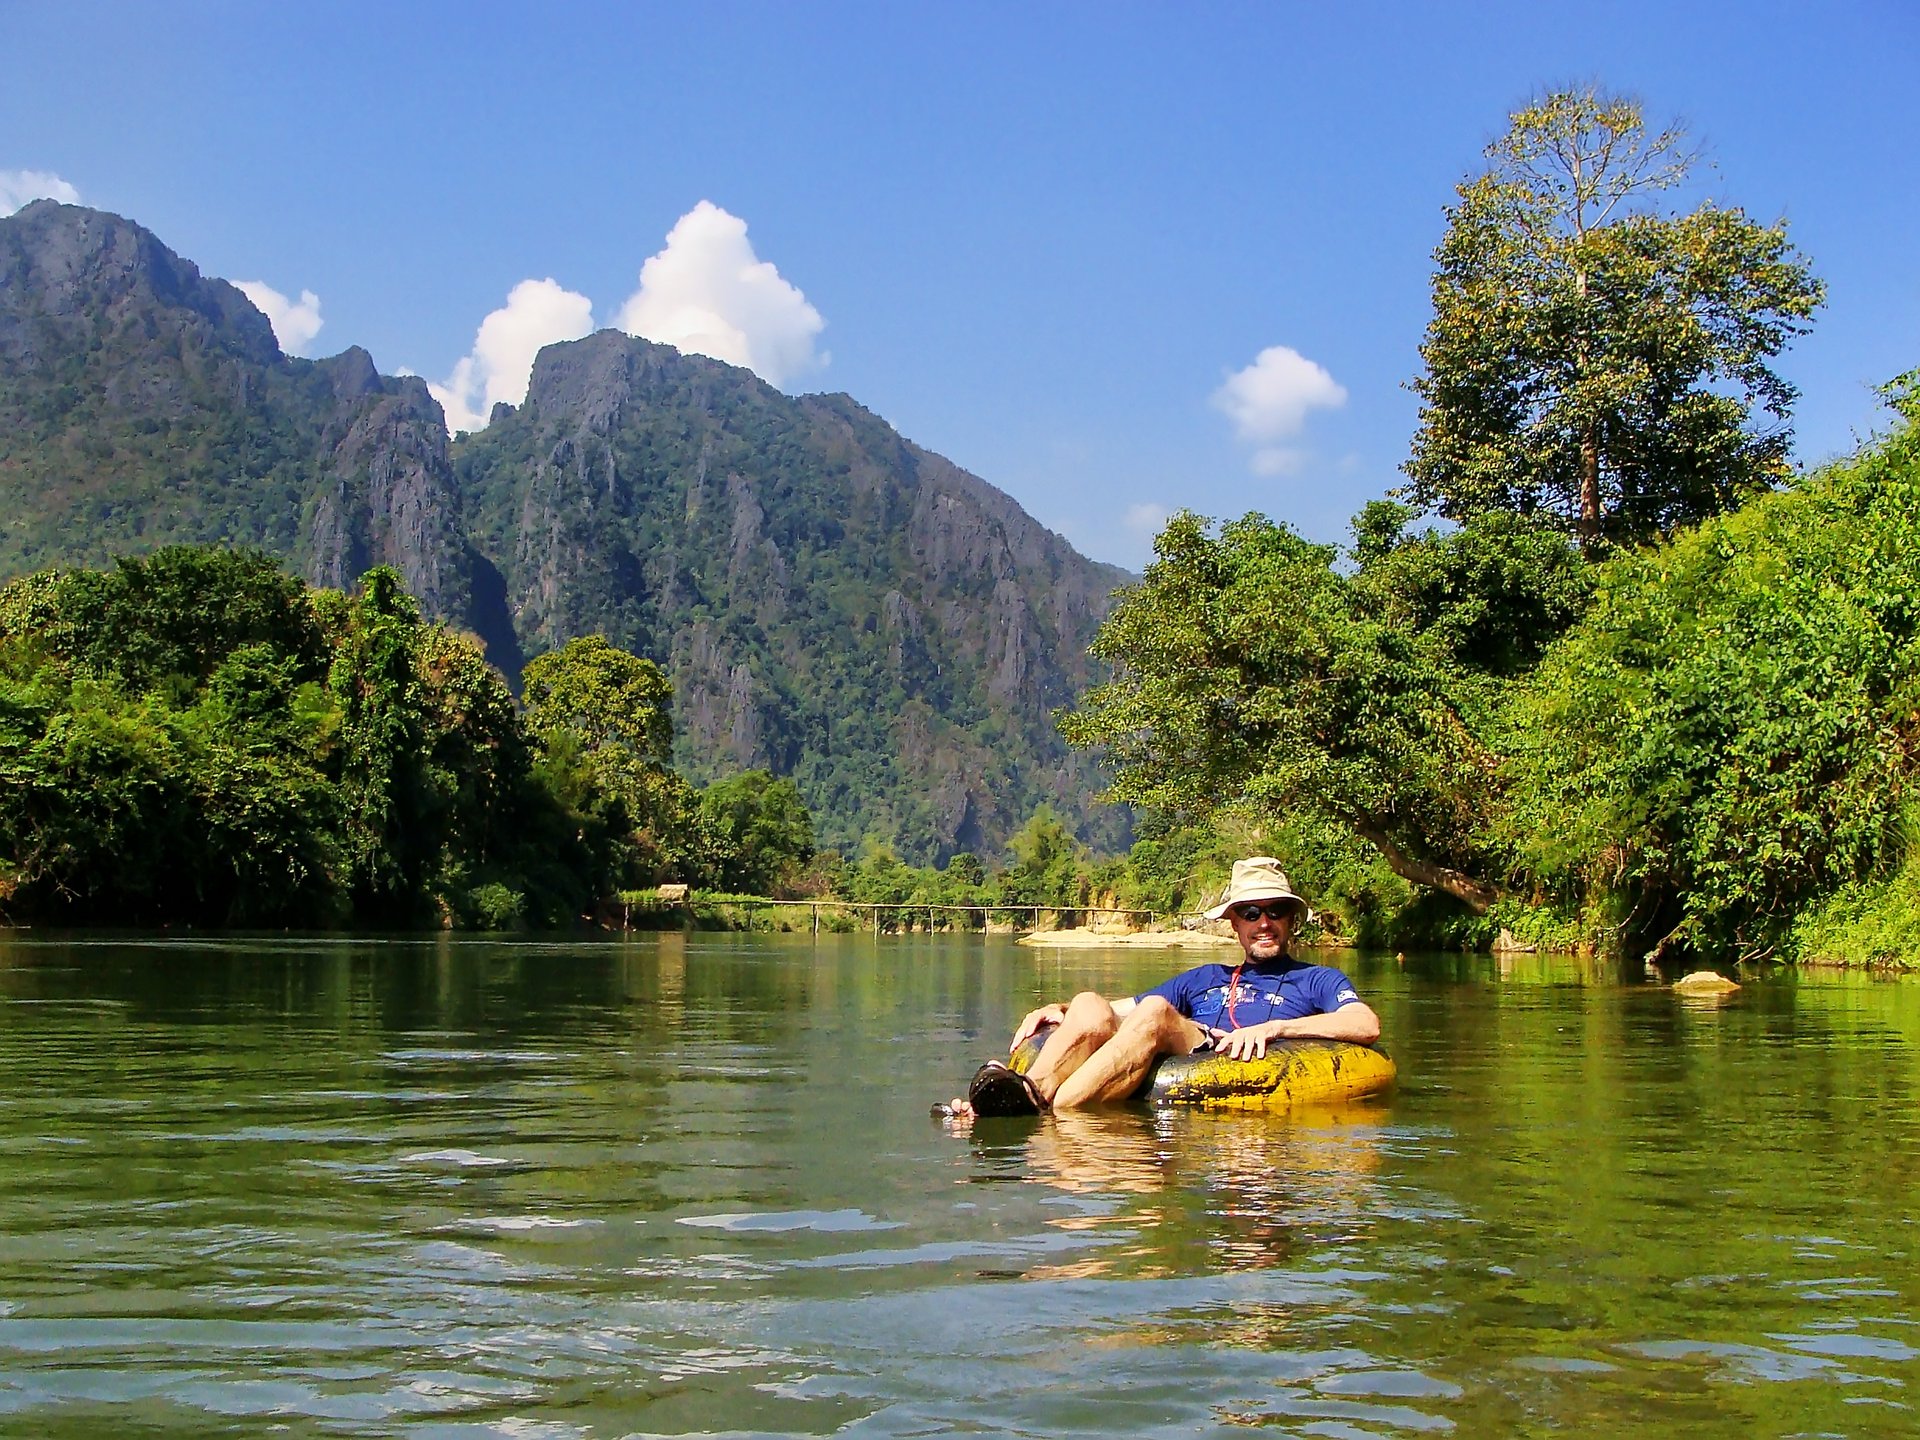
pixel 831 602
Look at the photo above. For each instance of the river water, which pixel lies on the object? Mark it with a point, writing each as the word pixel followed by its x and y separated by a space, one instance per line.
pixel 687 1185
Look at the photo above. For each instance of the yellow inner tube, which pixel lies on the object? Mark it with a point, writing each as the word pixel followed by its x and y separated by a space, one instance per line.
pixel 1292 1072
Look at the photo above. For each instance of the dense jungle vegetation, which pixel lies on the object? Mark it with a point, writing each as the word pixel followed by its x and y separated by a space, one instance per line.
pixel 1703 745
pixel 195 737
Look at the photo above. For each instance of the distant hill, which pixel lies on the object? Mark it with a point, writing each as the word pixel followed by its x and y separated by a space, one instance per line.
pixel 831 601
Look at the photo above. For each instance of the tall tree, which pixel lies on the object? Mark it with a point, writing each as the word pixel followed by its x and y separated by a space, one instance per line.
pixel 375 681
pixel 605 715
pixel 605 696
pixel 764 827
pixel 1253 671
pixel 1594 361
pixel 1048 866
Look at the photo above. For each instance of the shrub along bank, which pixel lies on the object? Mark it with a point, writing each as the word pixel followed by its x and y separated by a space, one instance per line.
pixel 1722 755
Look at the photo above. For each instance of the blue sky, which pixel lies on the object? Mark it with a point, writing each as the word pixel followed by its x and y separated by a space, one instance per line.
pixel 1038 239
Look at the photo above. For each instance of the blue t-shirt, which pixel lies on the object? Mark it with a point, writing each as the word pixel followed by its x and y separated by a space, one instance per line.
pixel 1275 990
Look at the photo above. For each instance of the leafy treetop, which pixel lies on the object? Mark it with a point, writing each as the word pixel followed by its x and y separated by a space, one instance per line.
pixel 1593 362
pixel 1253 673
pixel 604 695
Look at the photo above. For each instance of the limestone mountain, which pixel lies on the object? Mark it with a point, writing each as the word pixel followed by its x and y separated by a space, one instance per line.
pixel 142 403
pixel 831 601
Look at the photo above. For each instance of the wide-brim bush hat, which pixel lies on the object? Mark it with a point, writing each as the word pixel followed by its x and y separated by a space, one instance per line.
pixel 1259 877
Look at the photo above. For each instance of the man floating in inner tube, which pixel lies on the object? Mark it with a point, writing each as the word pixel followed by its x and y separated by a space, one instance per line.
pixel 1100 1050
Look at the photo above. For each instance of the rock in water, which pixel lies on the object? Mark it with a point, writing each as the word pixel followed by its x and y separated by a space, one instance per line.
pixel 1705 982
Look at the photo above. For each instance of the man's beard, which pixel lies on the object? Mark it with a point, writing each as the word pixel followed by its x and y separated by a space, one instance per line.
pixel 1263 947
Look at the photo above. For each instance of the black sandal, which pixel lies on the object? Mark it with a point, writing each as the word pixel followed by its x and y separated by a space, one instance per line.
pixel 998 1090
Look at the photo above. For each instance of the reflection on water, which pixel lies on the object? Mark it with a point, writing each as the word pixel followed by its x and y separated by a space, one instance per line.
pixel 687 1186
pixel 1244 1183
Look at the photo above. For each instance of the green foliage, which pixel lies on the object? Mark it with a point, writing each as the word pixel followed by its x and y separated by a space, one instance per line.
pixel 195 737
pixel 610 699
pixel 1486 599
pixel 495 907
pixel 164 744
pixel 1049 867
pixel 882 878
pixel 965 868
pixel 389 842
pixel 601 718
pixel 1729 736
pixel 177 613
pixel 1252 672
pixel 1592 362
pixel 764 833
pixel 1172 871
pixel 1868 923
pixel 1044 867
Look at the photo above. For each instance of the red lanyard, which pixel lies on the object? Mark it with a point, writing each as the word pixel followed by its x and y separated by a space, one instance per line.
pixel 1233 993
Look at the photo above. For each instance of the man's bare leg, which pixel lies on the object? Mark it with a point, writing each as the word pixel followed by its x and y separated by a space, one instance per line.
pixel 1113 1072
pixel 1089 1024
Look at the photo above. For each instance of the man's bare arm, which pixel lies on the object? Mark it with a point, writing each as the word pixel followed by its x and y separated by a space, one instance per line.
pixel 1353 1021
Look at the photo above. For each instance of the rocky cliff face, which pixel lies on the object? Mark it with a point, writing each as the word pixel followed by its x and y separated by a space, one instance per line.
pixel 73 278
pixel 142 402
pixel 386 494
pixel 831 601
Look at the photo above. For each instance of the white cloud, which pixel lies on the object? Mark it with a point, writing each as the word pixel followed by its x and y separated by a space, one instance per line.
pixel 295 323
pixel 1145 519
pixel 22 187
pixel 537 313
pixel 705 292
pixel 1269 401
pixel 1272 460
pixel 708 293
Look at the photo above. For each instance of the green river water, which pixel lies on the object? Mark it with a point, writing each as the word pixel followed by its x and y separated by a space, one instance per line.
pixel 688 1185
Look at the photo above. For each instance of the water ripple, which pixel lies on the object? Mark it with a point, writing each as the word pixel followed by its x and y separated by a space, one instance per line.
pixel 826 1221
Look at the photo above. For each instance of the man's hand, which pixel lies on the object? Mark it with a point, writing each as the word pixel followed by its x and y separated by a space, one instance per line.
pixel 1251 1042
pixel 1045 1015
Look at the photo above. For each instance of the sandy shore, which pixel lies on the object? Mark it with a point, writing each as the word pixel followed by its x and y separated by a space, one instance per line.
pixel 1084 939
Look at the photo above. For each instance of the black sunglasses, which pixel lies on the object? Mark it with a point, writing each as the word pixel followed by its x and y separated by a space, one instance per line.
pixel 1273 910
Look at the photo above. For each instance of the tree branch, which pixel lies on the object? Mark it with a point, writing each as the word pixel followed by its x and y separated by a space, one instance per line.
pixel 1476 895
